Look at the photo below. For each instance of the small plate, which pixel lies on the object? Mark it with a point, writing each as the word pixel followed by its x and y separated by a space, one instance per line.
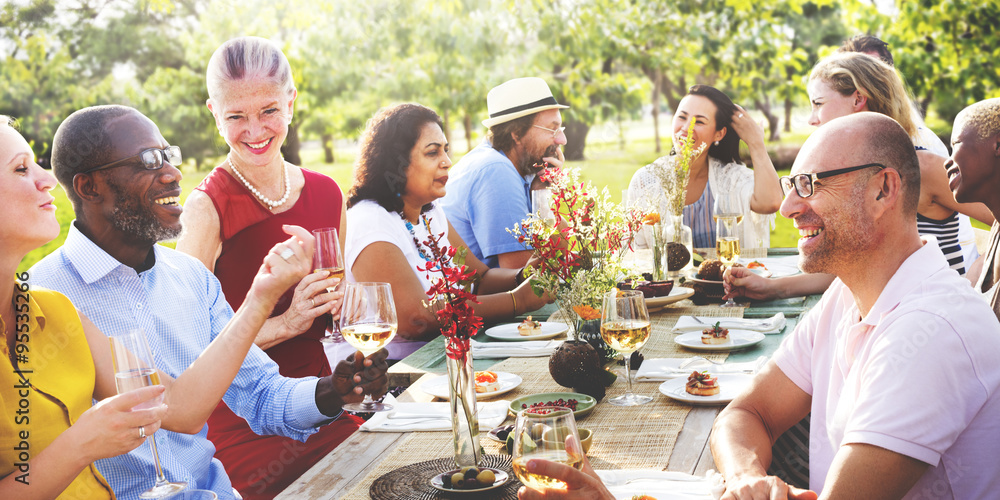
pixel 492 435
pixel 437 482
pixel 509 331
pixel 677 294
pixel 438 386
pixel 730 386
pixel 584 403
pixel 738 339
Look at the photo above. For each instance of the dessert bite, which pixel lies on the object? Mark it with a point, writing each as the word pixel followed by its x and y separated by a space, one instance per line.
pixel 715 335
pixel 702 384
pixel 529 327
pixel 486 382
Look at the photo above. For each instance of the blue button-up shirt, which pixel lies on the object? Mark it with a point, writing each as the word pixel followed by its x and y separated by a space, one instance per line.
pixel 180 306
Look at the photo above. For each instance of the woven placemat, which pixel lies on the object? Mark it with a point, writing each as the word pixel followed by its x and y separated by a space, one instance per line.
pixel 413 481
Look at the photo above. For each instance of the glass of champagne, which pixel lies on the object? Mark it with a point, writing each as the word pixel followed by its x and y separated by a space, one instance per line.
pixel 328 257
pixel 134 369
pixel 368 322
pixel 625 327
pixel 545 433
pixel 728 213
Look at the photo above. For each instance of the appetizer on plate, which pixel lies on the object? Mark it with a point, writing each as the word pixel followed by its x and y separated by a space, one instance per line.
pixel 487 382
pixel 702 384
pixel 711 270
pixel 715 334
pixel 529 327
pixel 757 265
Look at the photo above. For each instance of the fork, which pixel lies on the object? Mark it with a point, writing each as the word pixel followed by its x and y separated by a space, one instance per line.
pixel 693 359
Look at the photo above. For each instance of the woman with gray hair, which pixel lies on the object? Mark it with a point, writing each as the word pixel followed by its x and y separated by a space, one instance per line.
pixel 230 221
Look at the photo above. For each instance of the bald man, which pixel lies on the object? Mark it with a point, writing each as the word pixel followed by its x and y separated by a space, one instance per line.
pixel 974 175
pixel 896 363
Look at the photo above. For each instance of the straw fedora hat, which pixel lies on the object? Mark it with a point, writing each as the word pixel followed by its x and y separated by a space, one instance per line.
pixel 518 97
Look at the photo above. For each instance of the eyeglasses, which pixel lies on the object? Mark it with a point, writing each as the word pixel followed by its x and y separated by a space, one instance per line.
pixel 152 159
pixel 803 183
pixel 554 132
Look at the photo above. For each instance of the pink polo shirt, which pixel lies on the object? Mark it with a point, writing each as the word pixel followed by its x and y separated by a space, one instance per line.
pixel 919 375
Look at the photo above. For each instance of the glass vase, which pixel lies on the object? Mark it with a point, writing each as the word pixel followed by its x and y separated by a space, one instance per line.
pixel 656 237
pixel 464 419
pixel 678 260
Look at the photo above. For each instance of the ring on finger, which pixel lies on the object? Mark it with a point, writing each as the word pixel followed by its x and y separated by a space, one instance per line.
pixel 312 303
pixel 142 432
pixel 286 253
pixel 740 115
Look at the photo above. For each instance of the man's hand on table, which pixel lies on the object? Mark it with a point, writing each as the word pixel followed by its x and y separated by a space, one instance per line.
pixel 742 282
pixel 583 484
pixel 763 488
pixel 352 378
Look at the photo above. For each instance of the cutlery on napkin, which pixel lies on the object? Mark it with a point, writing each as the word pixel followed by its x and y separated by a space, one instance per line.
pixel 408 417
pixel 774 324
pixel 662 484
pixel 525 349
pixel 667 368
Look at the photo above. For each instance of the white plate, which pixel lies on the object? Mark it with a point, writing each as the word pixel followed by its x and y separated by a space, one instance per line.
pixel 677 294
pixel 437 482
pixel 738 339
pixel 509 331
pixel 730 386
pixel 438 386
pixel 777 267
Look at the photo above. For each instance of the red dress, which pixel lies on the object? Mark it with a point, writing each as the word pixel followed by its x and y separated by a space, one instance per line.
pixel 262 466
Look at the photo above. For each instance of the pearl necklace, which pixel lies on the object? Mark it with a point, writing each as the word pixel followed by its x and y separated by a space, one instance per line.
pixel 271 204
pixel 420 248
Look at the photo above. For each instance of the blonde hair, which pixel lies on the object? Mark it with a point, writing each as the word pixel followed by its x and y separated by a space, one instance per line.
pixel 877 81
pixel 248 57
pixel 983 117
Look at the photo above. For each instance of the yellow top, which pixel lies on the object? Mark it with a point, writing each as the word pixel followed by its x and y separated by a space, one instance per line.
pixel 59 371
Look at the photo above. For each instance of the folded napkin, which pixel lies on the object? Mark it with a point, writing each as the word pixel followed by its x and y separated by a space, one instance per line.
pixel 774 324
pixel 409 417
pixel 525 349
pixel 663 485
pixel 667 368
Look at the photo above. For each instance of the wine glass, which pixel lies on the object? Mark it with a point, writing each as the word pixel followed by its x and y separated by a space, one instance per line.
pixel 625 327
pixel 728 214
pixel 541 204
pixel 545 433
pixel 368 322
pixel 328 257
pixel 134 369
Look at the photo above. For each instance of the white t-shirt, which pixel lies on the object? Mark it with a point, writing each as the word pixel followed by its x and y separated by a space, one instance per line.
pixel 367 223
pixel 917 376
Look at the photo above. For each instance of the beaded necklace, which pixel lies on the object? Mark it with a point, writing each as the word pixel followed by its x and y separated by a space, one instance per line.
pixel 420 248
pixel 271 204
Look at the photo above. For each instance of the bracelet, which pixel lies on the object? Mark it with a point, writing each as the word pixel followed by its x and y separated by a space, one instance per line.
pixel 513 300
pixel 520 277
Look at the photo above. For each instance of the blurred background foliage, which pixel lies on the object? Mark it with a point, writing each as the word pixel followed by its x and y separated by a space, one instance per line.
pixel 611 60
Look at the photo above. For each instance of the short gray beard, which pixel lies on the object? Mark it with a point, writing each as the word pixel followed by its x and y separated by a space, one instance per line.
pixel 133 219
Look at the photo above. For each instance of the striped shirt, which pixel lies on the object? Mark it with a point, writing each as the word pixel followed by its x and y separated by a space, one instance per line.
pixel 180 305
pixel 946 232
pixel 698 216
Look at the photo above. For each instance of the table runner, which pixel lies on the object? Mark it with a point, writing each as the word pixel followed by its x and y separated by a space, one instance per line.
pixel 624 437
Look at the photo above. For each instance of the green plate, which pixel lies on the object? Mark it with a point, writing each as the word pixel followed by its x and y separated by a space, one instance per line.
pixel 584 403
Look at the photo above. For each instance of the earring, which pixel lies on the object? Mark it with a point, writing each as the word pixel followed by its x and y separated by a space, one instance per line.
pixel 716 143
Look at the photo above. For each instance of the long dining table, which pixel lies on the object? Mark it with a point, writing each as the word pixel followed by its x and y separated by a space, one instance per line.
pixel 663 435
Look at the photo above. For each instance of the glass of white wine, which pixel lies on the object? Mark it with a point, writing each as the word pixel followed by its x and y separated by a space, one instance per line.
pixel 728 213
pixel 625 327
pixel 545 433
pixel 368 322
pixel 328 257
pixel 134 369
pixel 541 205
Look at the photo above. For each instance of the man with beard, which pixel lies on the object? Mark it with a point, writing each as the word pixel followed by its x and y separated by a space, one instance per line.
pixel 120 175
pixel 490 187
pixel 897 362
pixel 974 175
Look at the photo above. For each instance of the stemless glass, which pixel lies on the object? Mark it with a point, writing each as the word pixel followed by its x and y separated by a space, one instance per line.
pixel 368 322
pixel 541 204
pixel 134 368
pixel 728 213
pixel 545 433
pixel 625 327
pixel 328 257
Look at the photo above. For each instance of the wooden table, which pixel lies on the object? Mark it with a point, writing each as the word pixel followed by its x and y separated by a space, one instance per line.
pixel 350 463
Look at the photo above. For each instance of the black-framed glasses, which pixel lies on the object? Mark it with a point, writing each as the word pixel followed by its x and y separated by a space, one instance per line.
pixel 554 132
pixel 152 159
pixel 803 183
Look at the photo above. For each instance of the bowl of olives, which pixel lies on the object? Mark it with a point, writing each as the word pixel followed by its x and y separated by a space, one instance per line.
pixel 470 479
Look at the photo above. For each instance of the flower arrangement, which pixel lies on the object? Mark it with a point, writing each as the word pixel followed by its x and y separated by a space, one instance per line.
pixel 673 170
pixel 579 253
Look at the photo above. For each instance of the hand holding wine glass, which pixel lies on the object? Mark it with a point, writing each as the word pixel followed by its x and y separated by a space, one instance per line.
pixel 368 323
pixel 545 433
pixel 625 327
pixel 134 369
pixel 728 214
pixel 329 257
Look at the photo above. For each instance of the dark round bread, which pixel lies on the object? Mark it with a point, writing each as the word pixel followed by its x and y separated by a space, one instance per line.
pixel 711 270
